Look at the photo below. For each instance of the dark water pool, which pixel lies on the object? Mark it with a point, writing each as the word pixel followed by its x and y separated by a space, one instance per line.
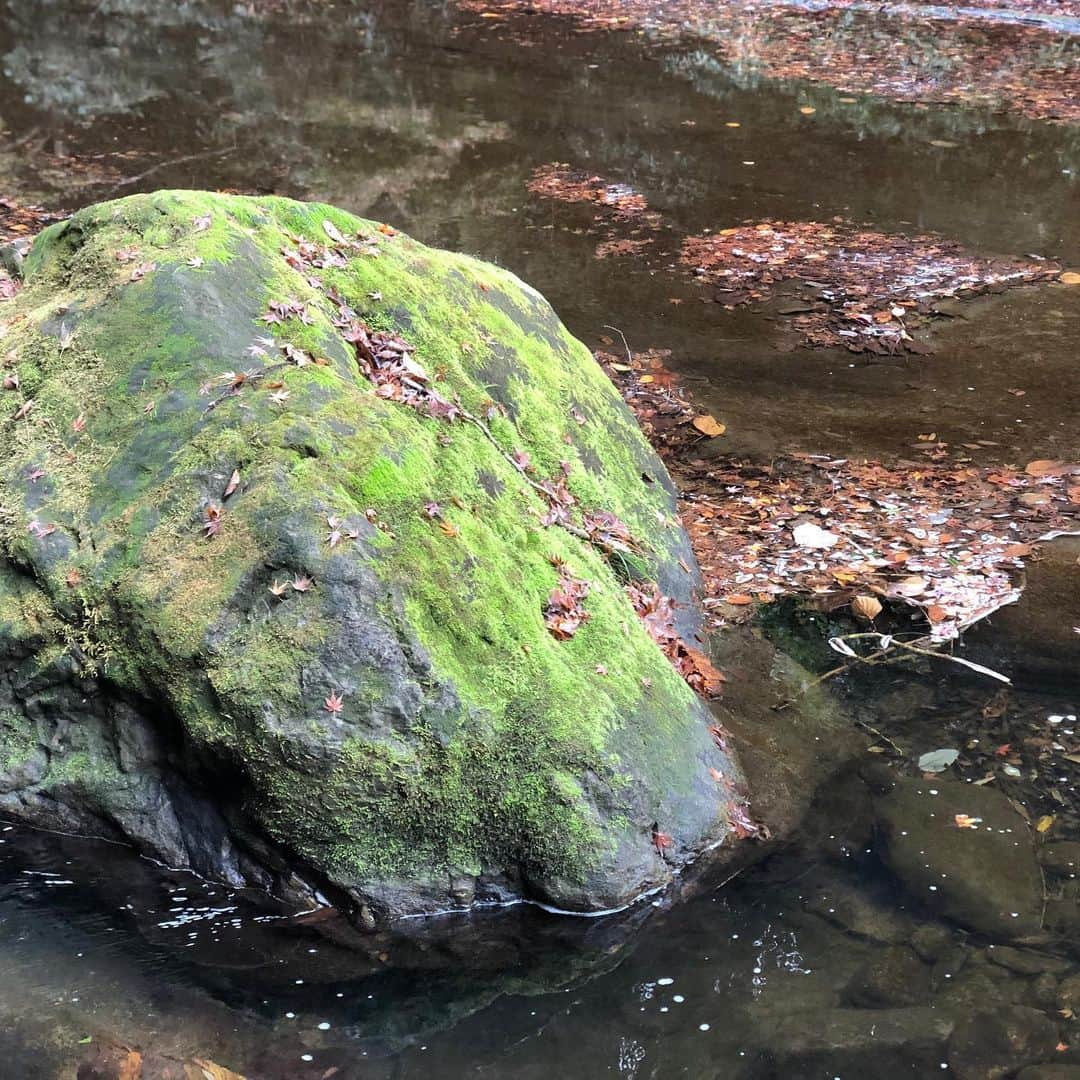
pixel 412 113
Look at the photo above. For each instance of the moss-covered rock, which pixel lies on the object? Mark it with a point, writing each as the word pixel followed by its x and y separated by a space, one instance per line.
pixel 313 612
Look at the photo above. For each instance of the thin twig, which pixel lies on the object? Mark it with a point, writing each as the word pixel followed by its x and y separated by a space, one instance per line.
pixel 626 344
pixel 882 736
pixel 127 181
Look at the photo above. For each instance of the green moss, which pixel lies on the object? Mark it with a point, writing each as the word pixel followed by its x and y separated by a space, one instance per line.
pixel 18 740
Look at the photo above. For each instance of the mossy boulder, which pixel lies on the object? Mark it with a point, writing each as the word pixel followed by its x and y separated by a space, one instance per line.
pixel 260 614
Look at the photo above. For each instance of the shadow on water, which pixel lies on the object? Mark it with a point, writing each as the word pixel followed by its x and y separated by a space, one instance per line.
pixel 392 111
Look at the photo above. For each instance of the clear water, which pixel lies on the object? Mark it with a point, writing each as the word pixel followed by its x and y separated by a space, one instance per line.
pixel 409 113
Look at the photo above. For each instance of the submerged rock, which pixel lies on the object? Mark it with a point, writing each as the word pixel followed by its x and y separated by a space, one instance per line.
pixel 998 1042
pixel 965 853
pixel 874 1042
pixel 314 553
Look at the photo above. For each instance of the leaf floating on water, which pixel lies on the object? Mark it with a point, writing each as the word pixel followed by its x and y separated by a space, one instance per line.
pixel 938 760
pixel 963 821
pixel 738 599
pixel 708 425
pixel 866 607
pixel 1045 823
pixel 1046 467
pixel 813 536
pixel 912 585
pixel 808 110
pixel 1070 277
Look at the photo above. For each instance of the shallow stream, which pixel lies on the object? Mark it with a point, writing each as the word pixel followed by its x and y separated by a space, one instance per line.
pixel 434 121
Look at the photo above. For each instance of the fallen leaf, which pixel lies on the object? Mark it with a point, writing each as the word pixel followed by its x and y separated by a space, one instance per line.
pixel 1046 467
pixel 1045 823
pixel 332 231
pixel 1070 277
pixel 813 536
pixel 866 607
pixel 936 761
pixel 963 821
pixel 808 110
pixel 231 486
pixel 707 425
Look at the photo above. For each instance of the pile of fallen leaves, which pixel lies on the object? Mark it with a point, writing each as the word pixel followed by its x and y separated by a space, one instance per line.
pixel 558 180
pixel 856 287
pixel 18 225
pixel 622 212
pixel 563 613
pixel 18 220
pixel 970 55
pixel 943 536
pixel 866 288
pixel 657 612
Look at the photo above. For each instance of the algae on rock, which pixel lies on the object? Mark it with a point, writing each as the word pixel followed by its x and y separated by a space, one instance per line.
pixel 226 608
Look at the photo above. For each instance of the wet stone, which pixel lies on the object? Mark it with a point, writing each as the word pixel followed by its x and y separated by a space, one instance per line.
pixel 893 977
pixel 1027 961
pixel 985 878
pixel 1062 857
pixel 977 988
pixel 836 1042
pixel 931 941
pixel 1043 992
pixel 1069 994
pixel 997 1042
pixel 856 912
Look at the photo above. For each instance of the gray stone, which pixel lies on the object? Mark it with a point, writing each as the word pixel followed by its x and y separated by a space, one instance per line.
pixel 1061 857
pixel 1043 992
pixel 891 978
pixel 831 1042
pixel 984 878
pixel 996 1043
pixel 931 940
pixel 1027 961
pixel 1068 996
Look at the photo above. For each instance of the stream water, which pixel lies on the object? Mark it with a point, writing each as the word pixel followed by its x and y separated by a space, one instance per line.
pixel 434 121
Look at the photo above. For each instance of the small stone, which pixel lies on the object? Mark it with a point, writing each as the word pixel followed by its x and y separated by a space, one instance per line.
pixel 1068 996
pixel 996 1043
pixel 931 940
pixel 1061 857
pixel 892 977
pixel 1027 961
pixel 1044 991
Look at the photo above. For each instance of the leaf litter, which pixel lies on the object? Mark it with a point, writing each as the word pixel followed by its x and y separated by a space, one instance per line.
pixel 855 287
pixel 941 536
pixel 970 54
